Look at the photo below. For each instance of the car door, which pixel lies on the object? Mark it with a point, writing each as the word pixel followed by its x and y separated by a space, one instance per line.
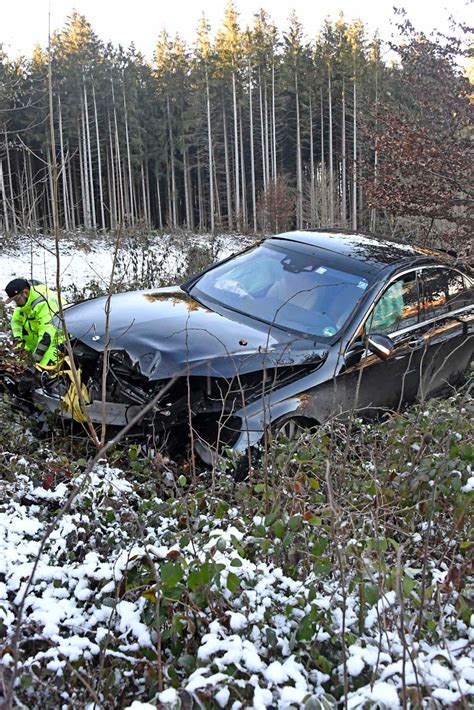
pixel 447 316
pixel 367 383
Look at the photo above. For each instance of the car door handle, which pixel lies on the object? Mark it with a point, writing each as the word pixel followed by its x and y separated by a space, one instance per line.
pixel 415 343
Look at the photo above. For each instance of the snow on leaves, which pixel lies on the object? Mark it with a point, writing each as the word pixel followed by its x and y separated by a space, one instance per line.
pixel 271 638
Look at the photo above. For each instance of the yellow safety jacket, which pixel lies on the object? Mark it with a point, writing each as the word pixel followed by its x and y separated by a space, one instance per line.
pixel 31 324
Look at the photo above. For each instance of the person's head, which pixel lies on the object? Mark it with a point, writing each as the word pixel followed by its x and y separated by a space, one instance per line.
pixel 18 290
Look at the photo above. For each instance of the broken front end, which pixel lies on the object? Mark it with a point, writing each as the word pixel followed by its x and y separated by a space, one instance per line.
pixel 206 413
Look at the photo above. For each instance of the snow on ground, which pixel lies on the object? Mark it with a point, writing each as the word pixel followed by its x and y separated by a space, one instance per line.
pixel 85 259
pixel 252 644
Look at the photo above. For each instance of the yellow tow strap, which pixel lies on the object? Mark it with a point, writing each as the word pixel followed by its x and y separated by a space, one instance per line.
pixel 49 368
pixel 71 401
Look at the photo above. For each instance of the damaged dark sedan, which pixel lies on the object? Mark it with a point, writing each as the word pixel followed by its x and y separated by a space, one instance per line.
pixel 300 328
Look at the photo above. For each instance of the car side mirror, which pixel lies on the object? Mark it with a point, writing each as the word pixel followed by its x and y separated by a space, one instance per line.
pixel 380 345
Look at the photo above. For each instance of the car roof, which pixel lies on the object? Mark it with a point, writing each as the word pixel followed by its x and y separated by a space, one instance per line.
pixel 372 253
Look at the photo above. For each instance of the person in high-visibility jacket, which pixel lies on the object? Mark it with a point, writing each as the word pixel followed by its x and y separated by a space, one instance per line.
pixel 31 324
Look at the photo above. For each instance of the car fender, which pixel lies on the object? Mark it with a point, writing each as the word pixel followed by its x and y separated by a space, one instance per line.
pixel 254 427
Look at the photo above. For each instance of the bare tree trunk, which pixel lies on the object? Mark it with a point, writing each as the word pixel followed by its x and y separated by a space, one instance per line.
pixel 170 205
pixel 4 199
pixel 238 207
pixel 274 123
pixel 324 208
pixel 312 196
pixel 10 184
pixel 126 194
pixel 217 201
pixel 211 166
pixel 299 171
pixel 76 202
pixel 200 198
pixel 158 197
pixel 244 222
pixel 111 181
pixel 331 157
pixel 174 209
pixel 267 138
pixel 262 132
pixel 30 193
pixel 99 161
pixel 117 163
pixel 147 189
pixel 47 218
pixel 84 174
pixel 72 202
pixel 82 193
pixel 145 206
pixel 129 160
pixel 344 158
pixel 110 188
pixel 252 152
pixel 121 211
pixel 227 172
pixel 23 195
pixel 187 189
pixel 373 211
pixel 63 170
pixel 354 167
pixel 89 159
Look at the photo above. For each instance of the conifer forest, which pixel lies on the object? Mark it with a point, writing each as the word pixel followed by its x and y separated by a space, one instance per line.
pixel 248 130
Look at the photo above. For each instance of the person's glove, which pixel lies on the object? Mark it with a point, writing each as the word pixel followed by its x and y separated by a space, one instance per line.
pixel 19 349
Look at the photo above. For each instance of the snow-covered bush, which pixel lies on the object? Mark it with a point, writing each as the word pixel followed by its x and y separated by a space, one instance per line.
pixel 339 570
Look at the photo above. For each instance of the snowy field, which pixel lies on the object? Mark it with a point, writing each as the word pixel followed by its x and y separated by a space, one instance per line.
pixel 84 260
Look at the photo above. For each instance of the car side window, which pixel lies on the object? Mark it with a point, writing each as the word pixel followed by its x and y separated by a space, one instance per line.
pixel 444 290
pixel 397 308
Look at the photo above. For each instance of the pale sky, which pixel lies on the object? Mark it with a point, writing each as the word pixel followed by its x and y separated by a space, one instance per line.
pixel 23 23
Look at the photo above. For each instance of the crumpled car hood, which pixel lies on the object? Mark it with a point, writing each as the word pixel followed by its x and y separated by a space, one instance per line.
pixel 165 332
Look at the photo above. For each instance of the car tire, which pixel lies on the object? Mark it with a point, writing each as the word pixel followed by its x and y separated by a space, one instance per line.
pixel 291 428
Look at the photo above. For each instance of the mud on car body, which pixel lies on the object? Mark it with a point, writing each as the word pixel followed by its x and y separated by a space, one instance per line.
pixel 303 326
